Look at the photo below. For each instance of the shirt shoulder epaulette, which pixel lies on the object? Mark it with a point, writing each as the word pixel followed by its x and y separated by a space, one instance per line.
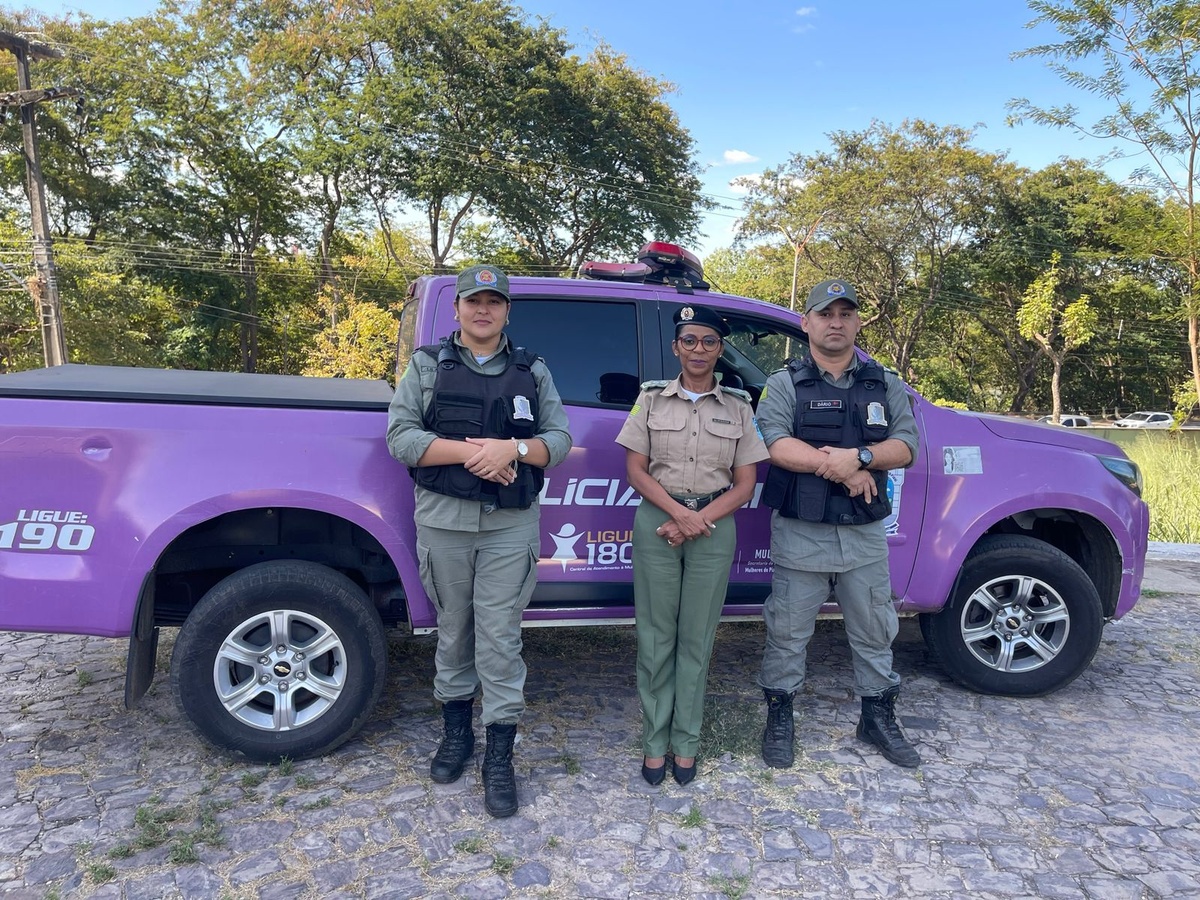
pixel 736 392
pixel 655 385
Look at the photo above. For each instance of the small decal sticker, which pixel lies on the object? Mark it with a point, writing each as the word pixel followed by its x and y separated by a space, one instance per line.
pixel 962 461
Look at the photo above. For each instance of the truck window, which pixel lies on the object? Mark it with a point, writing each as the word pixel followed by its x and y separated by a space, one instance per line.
pixel 590 347
pixel 405 341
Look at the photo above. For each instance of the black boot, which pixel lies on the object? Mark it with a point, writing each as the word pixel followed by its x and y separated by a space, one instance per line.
pixel 878 726
pixel 458 742
pixel 499 779
pixel 777 750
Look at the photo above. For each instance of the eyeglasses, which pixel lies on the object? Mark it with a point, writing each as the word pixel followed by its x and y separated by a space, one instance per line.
pixel 690 341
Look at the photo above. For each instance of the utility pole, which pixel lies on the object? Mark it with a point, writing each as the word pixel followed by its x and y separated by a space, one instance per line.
pixel 44 285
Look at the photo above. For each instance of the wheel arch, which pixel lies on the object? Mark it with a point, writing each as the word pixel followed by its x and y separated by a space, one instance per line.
pixel 1080 535
pixel 198 547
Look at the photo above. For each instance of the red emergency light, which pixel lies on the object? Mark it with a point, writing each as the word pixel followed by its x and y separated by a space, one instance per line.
pixel 658 262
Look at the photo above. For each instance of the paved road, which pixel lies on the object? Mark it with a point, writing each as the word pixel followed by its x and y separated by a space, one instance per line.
pixel 1093 792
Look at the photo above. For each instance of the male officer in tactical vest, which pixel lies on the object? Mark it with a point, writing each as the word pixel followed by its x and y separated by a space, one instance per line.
pixel 834 425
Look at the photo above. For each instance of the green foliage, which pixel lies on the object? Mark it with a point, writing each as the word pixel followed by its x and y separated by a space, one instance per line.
pixel 359 342
pixel 1138 59
pixel 1169 463
pixel 1057 325
pixel 762 271
pixel 893 205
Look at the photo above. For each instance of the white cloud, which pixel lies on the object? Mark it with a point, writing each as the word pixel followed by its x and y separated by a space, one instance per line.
pixel 805 12
pixel 737 157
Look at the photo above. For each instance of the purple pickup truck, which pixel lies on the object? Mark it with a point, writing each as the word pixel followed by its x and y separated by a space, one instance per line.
pixel 262 516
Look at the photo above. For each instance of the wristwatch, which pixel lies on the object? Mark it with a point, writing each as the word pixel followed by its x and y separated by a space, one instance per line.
pixel 522 449
pixel 865 457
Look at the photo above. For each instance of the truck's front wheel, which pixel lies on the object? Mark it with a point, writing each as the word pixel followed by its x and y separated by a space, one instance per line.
pixel 1024 619
pixel 280 659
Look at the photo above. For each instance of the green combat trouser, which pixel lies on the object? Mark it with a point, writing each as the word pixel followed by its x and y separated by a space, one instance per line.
pixel 480 584
pixel 678 594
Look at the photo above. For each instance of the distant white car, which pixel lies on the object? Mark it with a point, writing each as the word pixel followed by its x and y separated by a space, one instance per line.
pixel 1068 421
pixel 1146 420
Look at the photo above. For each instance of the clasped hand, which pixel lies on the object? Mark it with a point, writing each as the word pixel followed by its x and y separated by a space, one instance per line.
pixel 494 461
pixel 687 525
pixel 841 466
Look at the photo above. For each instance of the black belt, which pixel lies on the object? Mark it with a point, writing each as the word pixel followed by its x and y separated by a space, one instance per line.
pixel 698 503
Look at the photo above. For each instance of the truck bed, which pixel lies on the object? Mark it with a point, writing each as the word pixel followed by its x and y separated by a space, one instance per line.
pixel 123 383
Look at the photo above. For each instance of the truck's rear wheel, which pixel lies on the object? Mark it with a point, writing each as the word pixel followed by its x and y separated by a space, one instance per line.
pixel 280 659
pixel 1024 619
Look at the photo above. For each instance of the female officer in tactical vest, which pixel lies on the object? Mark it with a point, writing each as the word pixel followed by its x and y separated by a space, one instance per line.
pixel 691 449
pixel 477 421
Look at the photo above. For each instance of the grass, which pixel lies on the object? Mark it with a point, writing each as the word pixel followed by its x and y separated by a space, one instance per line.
pixel 731 725
pixel 503 865
pixel 470 845
pixel 732 886
pixel 1170 465
pixel 693 818
pixel 570 763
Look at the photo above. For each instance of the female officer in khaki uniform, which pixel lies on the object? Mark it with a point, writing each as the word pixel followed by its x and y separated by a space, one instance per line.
pixel 691 449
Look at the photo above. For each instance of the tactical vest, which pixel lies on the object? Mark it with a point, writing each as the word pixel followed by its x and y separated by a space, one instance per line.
pixel 467 404
pixel 827 416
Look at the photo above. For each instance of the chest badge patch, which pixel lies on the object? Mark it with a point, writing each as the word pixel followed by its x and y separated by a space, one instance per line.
pixel 521 409
pixel 825 404
pixel 876 414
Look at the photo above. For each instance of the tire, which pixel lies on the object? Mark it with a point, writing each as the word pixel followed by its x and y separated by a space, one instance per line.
pixel 280 659
pixel 1024 619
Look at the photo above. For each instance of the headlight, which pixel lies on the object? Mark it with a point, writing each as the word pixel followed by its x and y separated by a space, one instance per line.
pixel 1126 471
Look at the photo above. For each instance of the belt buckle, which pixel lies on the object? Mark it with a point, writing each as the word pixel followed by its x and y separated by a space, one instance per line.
pixel 692 503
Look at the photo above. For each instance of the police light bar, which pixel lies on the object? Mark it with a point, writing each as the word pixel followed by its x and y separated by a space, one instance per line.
pixel 668 255
pixel 632 272
pixel 658 262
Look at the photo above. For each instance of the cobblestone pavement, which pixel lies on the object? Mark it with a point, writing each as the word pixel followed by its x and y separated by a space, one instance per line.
pixel 1092 792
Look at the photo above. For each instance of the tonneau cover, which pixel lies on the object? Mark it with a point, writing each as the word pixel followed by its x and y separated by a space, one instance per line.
pixel 121 383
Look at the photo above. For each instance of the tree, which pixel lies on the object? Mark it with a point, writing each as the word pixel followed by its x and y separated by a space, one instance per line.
pixel 458 85
pixel 1146 52
pixel 894 205
pixel 361 343
pixel 225 179
pixel 1058 326
pixel 604 167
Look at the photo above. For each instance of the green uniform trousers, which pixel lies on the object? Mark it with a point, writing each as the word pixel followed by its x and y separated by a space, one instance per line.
pixel 678 593
pixel 480 583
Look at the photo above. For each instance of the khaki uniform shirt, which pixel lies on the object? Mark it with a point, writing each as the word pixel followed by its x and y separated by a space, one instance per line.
pixel 408 440
pixel 815 546
pixel 693 446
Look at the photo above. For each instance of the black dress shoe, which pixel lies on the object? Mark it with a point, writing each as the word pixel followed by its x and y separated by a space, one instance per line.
pixel 656 775
pixel 682 774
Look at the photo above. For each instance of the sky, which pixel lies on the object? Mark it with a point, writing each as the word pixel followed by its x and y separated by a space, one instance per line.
pixel 757 81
